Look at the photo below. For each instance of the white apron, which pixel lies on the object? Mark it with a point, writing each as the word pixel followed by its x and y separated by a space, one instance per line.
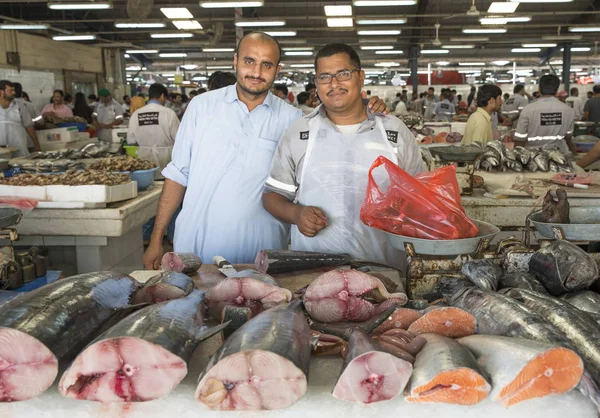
pixel 12 131
pixel 159 155
pixel 334 179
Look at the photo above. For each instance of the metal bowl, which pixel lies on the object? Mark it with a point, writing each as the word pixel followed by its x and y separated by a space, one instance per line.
pixel 584 226
pixel 445 247
pixel 10 217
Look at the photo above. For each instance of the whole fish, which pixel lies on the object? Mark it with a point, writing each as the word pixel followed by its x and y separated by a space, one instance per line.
pixel 53 323
pixel 164 286
pixel 286 261
pixel 514 165
pixel 263 365
pixel 486 165
pixel 143 357
pixel 585 300
pixel 446 371
pixel 348 295
pixel 523 155
pixel 521 280
pixel 492 157
pixel 542 161
pixel 484 273
pixel 553 167
pixel 524 369
pixel 563 267
pixel 532 166
pixel 370 374
pixel 499 147
pixel 566 168
pixel 557 156
pixel 510 155
pixel 555 207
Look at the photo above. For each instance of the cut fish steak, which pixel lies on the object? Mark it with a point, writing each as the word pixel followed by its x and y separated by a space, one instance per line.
pixel 447 372
pixel 447 321
pixel 141 358
pixel 186 263
pixel 525 369
pixel 167 285
pixel 348 295
pixel 53 323
pixel 263 365
pixel 370 374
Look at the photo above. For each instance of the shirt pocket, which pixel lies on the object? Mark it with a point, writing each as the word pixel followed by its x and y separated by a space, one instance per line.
pixel 266 148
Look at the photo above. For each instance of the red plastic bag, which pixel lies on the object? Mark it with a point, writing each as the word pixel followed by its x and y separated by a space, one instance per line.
pixel 425 206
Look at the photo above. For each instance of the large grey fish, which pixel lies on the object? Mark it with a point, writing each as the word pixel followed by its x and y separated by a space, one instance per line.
pixel 557 156
pixel 484 273
pixel 262 365
pixel 287 261
pixel 499 147
pixel 563 267
pixel 446 372
pixel 54 323
pixel 542 161
pixel 370 374
pixel 532 166
pixel 556 208
pixel 521 280
pixel 531 369
pixel 143 357
pixel 523 155
pixel 585 300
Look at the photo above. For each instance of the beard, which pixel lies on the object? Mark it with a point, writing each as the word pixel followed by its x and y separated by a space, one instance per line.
pixel 256 91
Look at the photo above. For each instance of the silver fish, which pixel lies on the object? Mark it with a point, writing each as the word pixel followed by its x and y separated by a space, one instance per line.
pixel 586 301
pixel 553 167
pixel 497 146
pixel 486 165
pixel 483 273
pixel 567 168
pixel 523 155
pixel 542 161
pixel 532 166
pixel 521 280
pixel 557 156
pixel 510 154
pixel 514 165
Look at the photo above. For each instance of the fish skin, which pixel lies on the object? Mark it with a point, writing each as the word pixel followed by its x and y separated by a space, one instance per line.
pixel 553 167
pixel 164 286
pixel 521 280
pixel 585 300
pixel 445 357
pixel 556 208
pixel 343 329
pixel 557 156
pixel 287 261
pixel 186 263
pixel 483 273
pixel 523 155
pixel 532 166
pixel 499 147
pixel 542 161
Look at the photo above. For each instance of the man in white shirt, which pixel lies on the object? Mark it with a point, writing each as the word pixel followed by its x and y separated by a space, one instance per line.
pixel 107 114
pixel 576 103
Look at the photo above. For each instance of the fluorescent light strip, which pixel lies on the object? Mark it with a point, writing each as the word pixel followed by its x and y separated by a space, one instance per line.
pixel 503 20
pixel 503 7
pixel 361 3
pixel 462 46
pixel 443 63
pixel 381 21
pixel 549 45
pixel 470 39
pixel 579 49
pixel 340 22
pixel 74 38
pixel 334 10
pixel 133 68
pixel 490 30
pixel 434 51
pixel 173 55
pixel 500 63
pixel 126 55
pixel 557 62
pixel 297 53
pixel 200 78
pixel 176 13
pixel 101 5
pixel 142 51
pixel 378 32
pixel 302 65
pixel 139 25
pixel 471 64
pixel 258 23
pixel 228 4
pixel 281 33
pixel 297 48
pixel 187 24
pixel 469 71
pixel 376 47
pixel 218 49
pixel 23 26
pixel 189 66
pixel 219 67
pixel 390 52
pixel 585 29
pixel 387 64
pixel 542 1
pixel 525 50
pixel 171 35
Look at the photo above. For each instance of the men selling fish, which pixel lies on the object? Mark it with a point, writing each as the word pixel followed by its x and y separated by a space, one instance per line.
pixel 221 160
pixel 319 173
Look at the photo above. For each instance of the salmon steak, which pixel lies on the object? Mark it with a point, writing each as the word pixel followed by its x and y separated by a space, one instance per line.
pixel 370 374
pixel 447 321
pixel 524 369
pixel 348 295
pixel 186 263
pixel 446 372
pixel 163 287
pixel 402 318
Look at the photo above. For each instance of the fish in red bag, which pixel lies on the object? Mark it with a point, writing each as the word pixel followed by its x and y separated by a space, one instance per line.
pixel 425 206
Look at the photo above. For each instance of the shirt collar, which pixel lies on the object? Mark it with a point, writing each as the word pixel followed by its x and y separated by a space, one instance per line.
pixel 231 96
pixel 365 125
pixel 155 102
pixel 485 113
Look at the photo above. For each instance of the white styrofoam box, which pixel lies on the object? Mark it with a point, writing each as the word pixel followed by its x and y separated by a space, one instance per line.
pixel 83 136
pixel 28 192
pixel 438 127
pixel 118 133
pixel 58 135
pixel 69 205
pixel 93 193
pixel 459 127
pixel 65 145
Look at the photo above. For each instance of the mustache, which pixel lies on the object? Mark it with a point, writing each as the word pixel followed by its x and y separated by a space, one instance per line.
pixel 256 78
pixel 338 89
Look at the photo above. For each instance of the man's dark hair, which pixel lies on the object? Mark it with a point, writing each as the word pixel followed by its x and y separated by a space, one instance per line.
pixel 431 88
pixel 597 89
pixel 309 87
pixel 459 97
pixel 68 97
pixel 92 97
pixel 334 49
pixel 453 91
pixel 62 93
pixel 202 91
pixel 398 94
pixel 486 93
pixel 263 37
pixel 18 90
pixel 282 88
pixel 302 97
pixel 574 91
pixel 193 93
pixel 172 96
pixel 156 90
pixel 5 83
pixel 518 88
pixel 422 95
pixel 549 85
pixel 220 79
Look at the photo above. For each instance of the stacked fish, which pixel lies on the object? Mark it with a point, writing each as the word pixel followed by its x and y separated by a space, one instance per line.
pixel 498 158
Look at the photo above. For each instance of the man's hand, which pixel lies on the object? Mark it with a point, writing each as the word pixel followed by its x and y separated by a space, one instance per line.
pixel 153 255
pixel 310 221
pixel 376 105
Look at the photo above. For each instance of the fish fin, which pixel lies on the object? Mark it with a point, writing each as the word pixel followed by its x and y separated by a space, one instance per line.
pixel 120 314
pixel 344 329
pixel 207 332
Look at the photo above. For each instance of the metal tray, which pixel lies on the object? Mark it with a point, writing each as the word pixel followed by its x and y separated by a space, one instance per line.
pixel 445 247
pixel 457 152
pixel 584 226
pixel 9 217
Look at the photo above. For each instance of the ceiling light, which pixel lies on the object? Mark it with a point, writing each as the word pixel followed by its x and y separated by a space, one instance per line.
pixel 434 51
pixel 387 64
pixel 227 4
pixel 583 73
pixel 139 25
pixel 582 49
pixel 443 63
pixel 74 38
pixel 525 50
pixel 171 78
pixel 475 72
pixel 470 39
pixel 142 51
pixel 200 78
pixel 187 24
pixel 390 52
pixel 471 64
pixel 500 63
pixel 503 7
pixel 126 55
pixel 490 30
pixel 549 45
pixel 378 32
pixel 461 46
pixel 218 49
pixel 503 20
pixel 375 47
pixel 345 10
pixel 585 29
pixel 219 67
pixel 133 68
pixel 576 70
pixel 81 5
pixel 23 26
pixel 189 66
pixel 171 35
pixel 298 48
pixel 557 62
pixel 360 3
pixel 301 65
pixel 176 13
pixel 168 75
pixel 381 21
pixel 297 53
pixel 340 22
pixel 542 1
pixel 250 23
pixel 562 37
pixel 281 33
pixel 173 55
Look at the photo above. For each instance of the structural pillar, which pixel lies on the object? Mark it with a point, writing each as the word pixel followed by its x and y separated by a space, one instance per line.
pixel 413 59
pixel 566 74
